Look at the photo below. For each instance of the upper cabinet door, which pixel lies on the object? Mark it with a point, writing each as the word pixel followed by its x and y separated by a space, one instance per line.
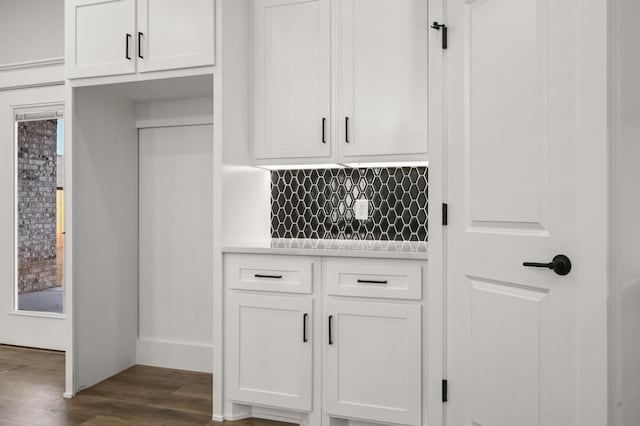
pixel 383 77
pixel 292 68
pixel 100 37
pixel 175 34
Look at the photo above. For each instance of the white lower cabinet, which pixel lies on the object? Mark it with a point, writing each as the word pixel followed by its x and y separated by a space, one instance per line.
pixel 372 367
pixel 311 339
pixel 271 350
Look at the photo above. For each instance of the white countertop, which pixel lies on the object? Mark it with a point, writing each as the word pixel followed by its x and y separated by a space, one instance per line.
pixel 341 248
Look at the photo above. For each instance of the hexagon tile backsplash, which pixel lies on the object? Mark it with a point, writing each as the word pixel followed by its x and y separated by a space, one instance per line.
pixel 320 203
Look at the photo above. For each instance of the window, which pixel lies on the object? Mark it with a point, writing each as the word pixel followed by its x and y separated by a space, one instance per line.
pixel 39 211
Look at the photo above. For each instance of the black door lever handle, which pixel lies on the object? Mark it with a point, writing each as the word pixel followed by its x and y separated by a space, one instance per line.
pixel 560 264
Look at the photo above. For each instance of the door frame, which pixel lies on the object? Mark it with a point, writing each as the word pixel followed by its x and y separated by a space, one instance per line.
pixel 44 107
pixel 22 96
pixel 592 219
pixel 434 334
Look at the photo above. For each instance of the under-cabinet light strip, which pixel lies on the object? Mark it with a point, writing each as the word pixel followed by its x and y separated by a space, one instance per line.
pixel 345 165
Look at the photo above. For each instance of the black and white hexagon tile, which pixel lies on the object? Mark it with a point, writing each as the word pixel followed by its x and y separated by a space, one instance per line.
pixel 320 203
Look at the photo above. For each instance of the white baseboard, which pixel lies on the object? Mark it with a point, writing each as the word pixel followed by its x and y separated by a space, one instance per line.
pixel 173 354
pixel 234 417
pixel 279 415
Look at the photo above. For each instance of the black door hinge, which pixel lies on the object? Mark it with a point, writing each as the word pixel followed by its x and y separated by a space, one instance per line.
pixel 445 214
pixel 436 26
pixel 445 391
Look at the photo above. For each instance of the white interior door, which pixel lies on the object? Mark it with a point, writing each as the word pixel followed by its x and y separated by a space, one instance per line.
pixel 382 77
pixel 39 323
pixel 516 334
pixel 175 247
pixel 175 34
pixel 291 79
pixel 100 37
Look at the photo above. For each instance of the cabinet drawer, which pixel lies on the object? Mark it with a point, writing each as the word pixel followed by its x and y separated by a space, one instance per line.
pixel 374 278
pixel 283 274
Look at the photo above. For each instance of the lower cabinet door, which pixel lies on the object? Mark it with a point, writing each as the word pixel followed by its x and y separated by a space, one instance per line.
pixel 271 350
pixel 373 361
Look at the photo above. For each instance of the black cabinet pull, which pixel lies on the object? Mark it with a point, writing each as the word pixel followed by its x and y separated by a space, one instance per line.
pixel 346 129
pixel 560 264
pixel 140 45
pixel 267 276
pixel 324 137
pixel 304 328
pixel 373 281
pixel 330 329
pixel 127 39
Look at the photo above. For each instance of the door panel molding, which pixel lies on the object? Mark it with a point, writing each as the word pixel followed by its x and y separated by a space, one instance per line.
pixel 506 109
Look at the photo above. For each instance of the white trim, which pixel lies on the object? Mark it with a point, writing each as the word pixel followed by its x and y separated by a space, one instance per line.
pixel 69 299
pixel 191 356
pixel 38 63
pixel 154 75
pixel 592 211
pixel 45 72
pixel 218 396
pixel 50 315
pixel 21 117
pixel 17 110
pixel 181 112
pixel 435 303
pixel 278 415
pixel 233 417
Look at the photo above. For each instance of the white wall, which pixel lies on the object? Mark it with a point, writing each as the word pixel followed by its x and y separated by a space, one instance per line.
pixel 104 232
pixel 31 30
pixel 176 247
pixel 625 214
pixel 246 219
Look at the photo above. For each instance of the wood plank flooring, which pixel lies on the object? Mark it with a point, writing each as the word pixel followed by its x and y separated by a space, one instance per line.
pixel 32 383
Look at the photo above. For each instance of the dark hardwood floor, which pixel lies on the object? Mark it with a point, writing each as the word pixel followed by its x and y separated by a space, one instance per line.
pixel 32 383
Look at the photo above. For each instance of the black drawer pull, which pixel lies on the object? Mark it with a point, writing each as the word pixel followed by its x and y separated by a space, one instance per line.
pixel 373 281
pixel 267 276
pixel 304 328
pixel 346 129
pixel 331 329
pixel 127 38
pixel 140 45
pixel 324 125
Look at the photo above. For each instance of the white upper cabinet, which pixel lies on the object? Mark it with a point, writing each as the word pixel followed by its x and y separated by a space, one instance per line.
pixel 175 34
pixel 346 85
pixel 382 77
pixel 112 37
pixel 100 37
pixel 292 79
